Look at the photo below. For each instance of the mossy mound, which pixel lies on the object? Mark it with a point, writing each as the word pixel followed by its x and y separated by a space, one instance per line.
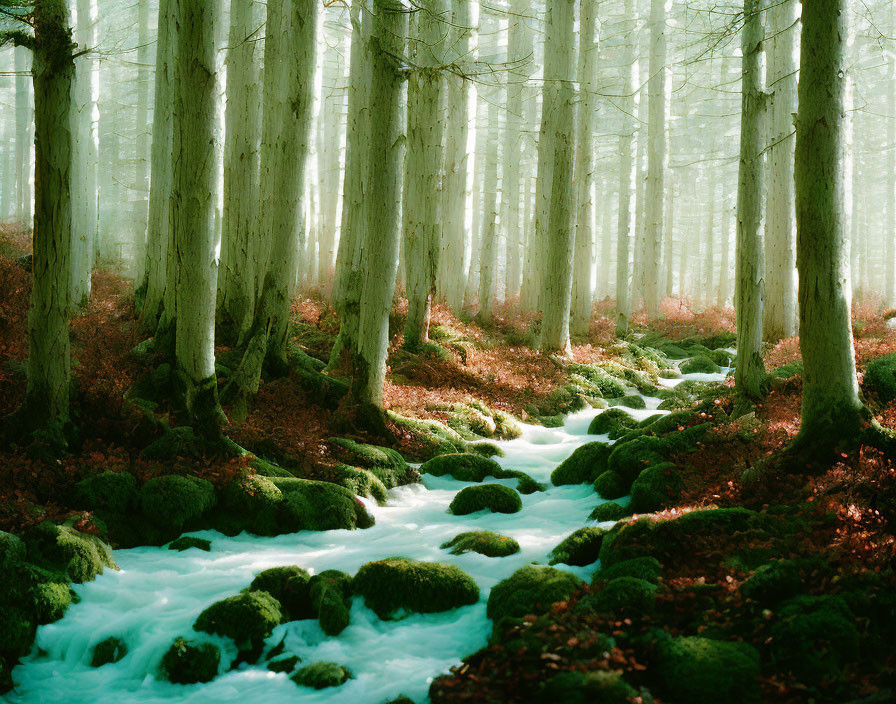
pixel 42 594
pixel 429 438
pixel 108 651
pixel 107 491
pixel 673 351
pixel 787 371
pixel 174 502
pixel 64 550
pixel 174 443
pixel 700 364
pixel 530 590
pixel 693 669
pixel 625 595
pixel 483 542
pixel 290 586
pixel 645 568
pixel 285 664
pixel 463 466
pixel 186 543
pixel 475 420
pixel 386 464
pixel 321 675
pixel 247 618
pixel 191 664
pixel 12 549
pixel 611 485
pixel 486 497
pixel 600 686
pixel 605 385
pixel 583 466
pixel 774 582
pixel 880 378
pixel 17 630
pixel 609 511
pixel 397 586
pixel 361 482
pixel 614 422
pixel 330 594
pixel 657 487
pixel 580 548
pixel 636 402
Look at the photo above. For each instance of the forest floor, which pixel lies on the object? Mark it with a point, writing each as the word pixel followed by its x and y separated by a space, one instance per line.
pixel 821 605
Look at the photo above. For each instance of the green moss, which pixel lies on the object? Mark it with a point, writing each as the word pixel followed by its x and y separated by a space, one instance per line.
pixel 580 548
pixel 189 664
pixel 397 586
pixel 43 594
pixel 12 549
pixel 815 637
pixel 611 485
pixel 362 482
pixel 695 669
pixel 483 542
pixel 645 568
pixel 491 497
pixel 62 549
pixel 629 459
pixel 247 618
pixel 530 590
pixel 291 587
pixel 108 651
pixel 310 505
pixel 774 582
pixel 526 484
pixel 250 503
pixel 463 466
pixel 285 664
pixel 607 385
pixel 386 464
pixel 583 466
pixel 880 378
pixel 186 543
pixel 176 442
pixel 176 502
pixel 321 675
pixel 429 438
pixel 609 511
pixel 614 422
pixel 601 686
pixel 636 402
pixel 330 593
pixel 787 371
pixel 17 630
pixel 111 491
pixel 625 595
pixel 700 364
pixel 673 351
pixel 657 487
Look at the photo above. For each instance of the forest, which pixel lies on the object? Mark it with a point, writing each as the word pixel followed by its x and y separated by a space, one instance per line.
pixel 448 351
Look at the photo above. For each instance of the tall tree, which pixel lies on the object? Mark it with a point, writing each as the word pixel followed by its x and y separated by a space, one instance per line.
pixel 558 120
pixel 23 127
pixel 422 179
pixel 750 372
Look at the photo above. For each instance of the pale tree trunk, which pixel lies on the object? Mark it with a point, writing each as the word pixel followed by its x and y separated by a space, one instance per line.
pixel 421 211
pixel 606 231
pixel 713 192
pixel 725 266
pixel 669 242
pixel 158 225
pixel 144 128
pixel 239 251
pixel 519 60
pixel 192 212
pixel 832 411
pixel 7 197
pixel 290 48
pixel 656 159
pixel 487 254
pixel 479 128
pixel 750 372
pixel 46 402
pixel 779 319
pixel 456 190
pixel 380 252
pixel 23 126
pixel 627 175
pixel 529 291
pixel 582 296
pixel 558 118
pixel 84 204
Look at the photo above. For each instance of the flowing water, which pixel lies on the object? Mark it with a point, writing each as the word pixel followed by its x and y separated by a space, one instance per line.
pixel 158 593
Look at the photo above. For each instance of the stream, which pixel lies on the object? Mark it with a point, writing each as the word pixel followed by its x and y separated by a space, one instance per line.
pixel 157 594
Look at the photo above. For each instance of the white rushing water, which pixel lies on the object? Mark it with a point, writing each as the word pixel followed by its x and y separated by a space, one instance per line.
pixel 157 594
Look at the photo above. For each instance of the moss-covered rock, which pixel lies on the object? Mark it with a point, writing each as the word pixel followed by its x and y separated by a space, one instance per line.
pixel 176 502
pixel 330 593
pixel 629 459
pixel 673 351
pixel 108 651
pixel 12 549
pixel 787 371
pixel 694 669
pixel 17 630
pixel 188 542
pixel 62 549
pixel 291 587
pixel 174 443
pixel 530 590
pixel 310 505
pixel 189 664
pixel 609 511
pixel 429 437
pixel 361 482
pixel 483 542
pixel 250 503
pixel 614 422
pixel 386 464
pixel 700 364
pixel 43 594
pixel 486 497
pixel 285 664
pixel 611 485
pixel 110 491
pixel 583 466
pixel 603 686
pixel 321 675
pixel 625 595
pixel 634 401
pixel 397 586
pixel 880 378
pixel 773 582
pixel 656 488
pixel 606 385
pixel 247 618
pixel 580 548
pixel 463 466
pixel 645 568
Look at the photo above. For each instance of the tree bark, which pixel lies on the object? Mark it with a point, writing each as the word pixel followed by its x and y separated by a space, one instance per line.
pixel 24 203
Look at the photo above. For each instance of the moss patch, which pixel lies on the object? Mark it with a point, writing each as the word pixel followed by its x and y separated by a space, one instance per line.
pixel 579 549
pixel 110 491
pixel 62 549
pixel 700 364
pixel 646 568
pixel 694 669
pixel 189 664
pixel 880 378
pixel 583 466
pixel 175 502
pixel 486 497
pixel 530 590
pixel 613 422
pixel 247 618
pixel 483 542
pixel 108 651
pixel 186 543
pixel 609 511
pixel 656 488
pixel 291 587
pixel 321 675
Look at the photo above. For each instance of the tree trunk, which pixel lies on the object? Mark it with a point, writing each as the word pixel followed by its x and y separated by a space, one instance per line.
pixel 750 372
pixel 558 119
pixel 487 254
pixel 144 130
pixel 23 62
pixel 832 411
pixel 426 125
